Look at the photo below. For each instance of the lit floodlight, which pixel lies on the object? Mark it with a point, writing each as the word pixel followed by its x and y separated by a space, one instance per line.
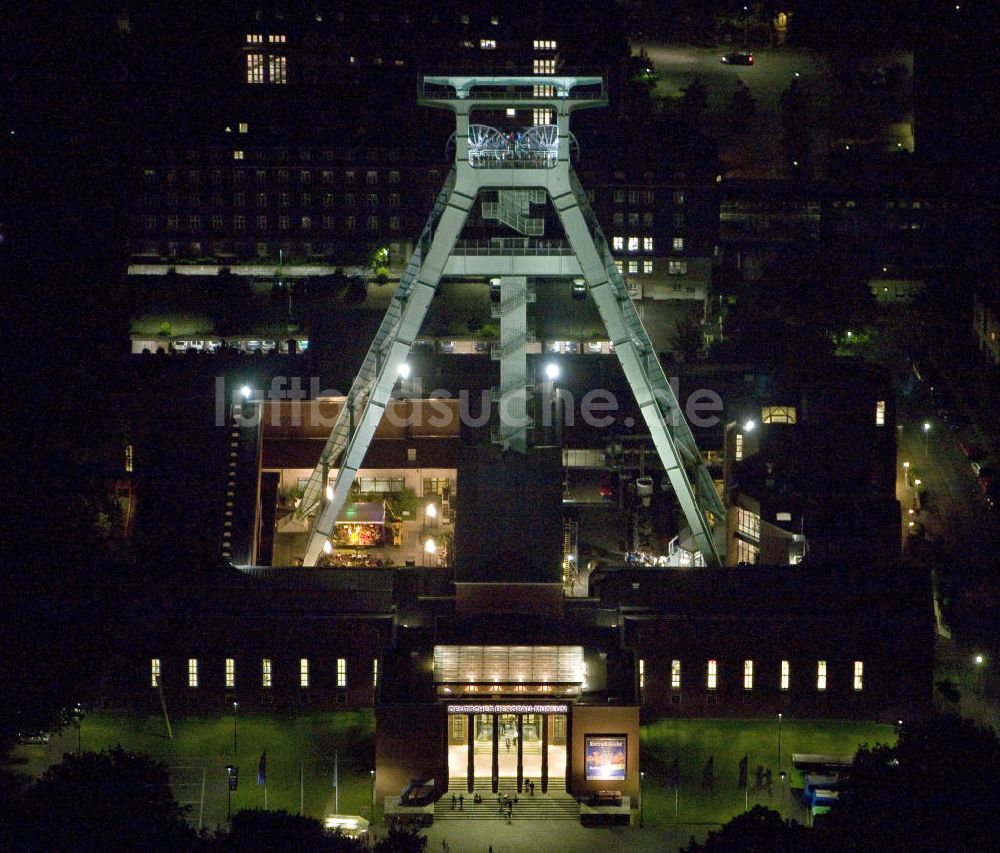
pixel 917 482
pixel 246 392
pixel 552 371
pixel 430 547
pixel 927 426
pixel 404 370
pixel 979 659
pixel 906 465
pixel 327 547
pixel 432 511
pixel 749 425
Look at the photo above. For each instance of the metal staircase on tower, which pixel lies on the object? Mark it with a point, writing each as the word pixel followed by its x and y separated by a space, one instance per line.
pixel 511 175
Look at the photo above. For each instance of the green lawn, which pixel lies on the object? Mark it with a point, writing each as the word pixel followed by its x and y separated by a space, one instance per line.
pixel 693 742
pixel 204 746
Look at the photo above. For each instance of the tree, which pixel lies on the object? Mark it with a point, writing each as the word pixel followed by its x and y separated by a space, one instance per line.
pixel 402 839
pixel 742 106
pixel 694 101
pixel 937 789
pixel 688 339
pixel 111 800
pixel 760 830
pixel 258 831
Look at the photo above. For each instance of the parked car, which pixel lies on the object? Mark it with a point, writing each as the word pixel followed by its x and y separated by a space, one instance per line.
pixel 447 346
pixel 579 288
pixel 738 57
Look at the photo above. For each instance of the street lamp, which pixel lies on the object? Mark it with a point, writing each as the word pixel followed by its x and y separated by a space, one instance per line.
pixel 373 796
pixel 552 371
pixel 78 721
pixel 749 425
pixel 246 392
pixel 404 370
pixel 236 705
pixel 927 429
pixel 906 475
pixel 779 740
pixel 642 775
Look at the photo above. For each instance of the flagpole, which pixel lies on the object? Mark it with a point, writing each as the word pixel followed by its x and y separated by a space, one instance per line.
pixel 336 782
pixel 302 788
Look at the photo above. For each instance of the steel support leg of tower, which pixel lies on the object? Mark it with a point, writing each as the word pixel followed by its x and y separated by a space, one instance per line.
pixel 514 362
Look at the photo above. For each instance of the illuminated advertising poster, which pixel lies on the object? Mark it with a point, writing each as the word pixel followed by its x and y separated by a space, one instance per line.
pixel 605 757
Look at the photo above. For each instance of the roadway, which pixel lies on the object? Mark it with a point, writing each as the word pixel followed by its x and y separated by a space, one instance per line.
pixel 756 150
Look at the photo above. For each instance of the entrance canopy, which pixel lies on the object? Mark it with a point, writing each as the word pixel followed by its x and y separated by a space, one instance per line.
pixel 516 671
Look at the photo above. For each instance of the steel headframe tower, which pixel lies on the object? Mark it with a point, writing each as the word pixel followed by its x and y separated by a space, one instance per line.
pixel 513 174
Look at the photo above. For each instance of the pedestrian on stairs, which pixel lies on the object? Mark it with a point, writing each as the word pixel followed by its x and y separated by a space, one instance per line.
pixel 461 802
pixel 454 802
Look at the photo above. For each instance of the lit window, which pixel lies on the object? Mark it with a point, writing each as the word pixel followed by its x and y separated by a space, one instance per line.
pixel 642 673
pixel 647 244
pixel 237 155
pixel 192 672
pixel 821 675
pixel 633 244
pixel 618 243
pixel 859 675
pixel 746 552
pixel 675 675
pixel 541 116
pixel 543 66
pixel 303 672
pixel 341 672
pixel 129 458
pixel 243 127
pixel 748 675
pixel 306 223
pixel 619 266
pixel 880 413
pixel 375 672
pixel 647 267
pixel 678 244
pixel 255 68
pixel 255 39
pixel 487 44
pixel 633 267
pixel 278 69
pixel 544 44
pixel 266 674
pixel 277 39
pixel 739 446
pixel 748 523
pixel 230 672
pixel 713 674
pixel 778 414
pixel 154 672
pixel 786 674
pixel 677 267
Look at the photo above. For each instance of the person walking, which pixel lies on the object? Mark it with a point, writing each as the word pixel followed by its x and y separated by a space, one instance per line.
pixel 454 802
pixel 461 802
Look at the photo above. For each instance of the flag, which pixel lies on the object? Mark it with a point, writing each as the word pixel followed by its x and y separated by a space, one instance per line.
pixel 675 775
pixel 262 769
pixel 743 772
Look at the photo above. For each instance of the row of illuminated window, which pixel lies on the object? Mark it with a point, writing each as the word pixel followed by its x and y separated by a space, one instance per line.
pixel 673 267
pixel 266 672
pixel 543 66
pixel 327 176
pixel 619 244
pixel 280 154
pixel 284 199
pixel 267 68
pixel 544 44
pixel 284 223
pixel 749 675
pixel 258 38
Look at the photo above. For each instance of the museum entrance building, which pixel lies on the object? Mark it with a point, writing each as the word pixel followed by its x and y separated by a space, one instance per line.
pixel 508 711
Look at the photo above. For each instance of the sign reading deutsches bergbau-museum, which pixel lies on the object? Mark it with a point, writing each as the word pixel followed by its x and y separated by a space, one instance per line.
pixel 508 709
